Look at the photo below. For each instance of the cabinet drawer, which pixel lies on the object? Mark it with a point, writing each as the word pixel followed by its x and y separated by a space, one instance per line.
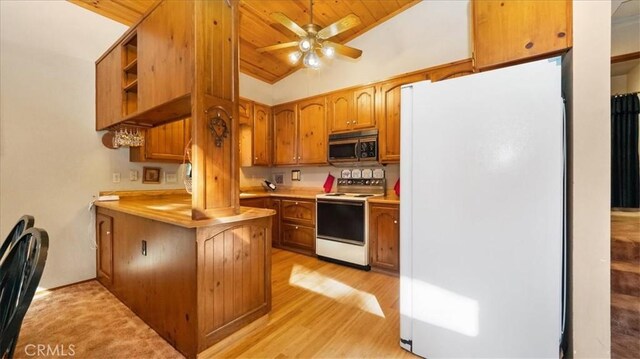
pixel 254 202
pixel 298 211
pixel 298 238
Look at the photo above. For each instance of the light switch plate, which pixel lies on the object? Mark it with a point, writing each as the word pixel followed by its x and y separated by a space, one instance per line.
pixel 115 177
pixel 133 175
pixel 295 175
pixel 170 177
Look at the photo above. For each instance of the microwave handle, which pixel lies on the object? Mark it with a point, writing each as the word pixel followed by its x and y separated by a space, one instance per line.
pixel 355 150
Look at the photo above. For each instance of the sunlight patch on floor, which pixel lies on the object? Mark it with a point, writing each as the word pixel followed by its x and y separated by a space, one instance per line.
pixel 313 281
pixel 441 307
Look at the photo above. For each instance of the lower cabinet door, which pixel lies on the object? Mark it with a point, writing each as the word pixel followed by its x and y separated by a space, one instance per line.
pixel 298 238
pixel 104 249
pixel 274 204
pixel 384 237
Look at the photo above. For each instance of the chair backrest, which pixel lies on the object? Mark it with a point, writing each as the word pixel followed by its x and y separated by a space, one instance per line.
pixel 25 222
pixel 20 274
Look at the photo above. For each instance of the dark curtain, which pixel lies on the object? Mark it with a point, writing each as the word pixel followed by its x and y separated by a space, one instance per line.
pixel 625 177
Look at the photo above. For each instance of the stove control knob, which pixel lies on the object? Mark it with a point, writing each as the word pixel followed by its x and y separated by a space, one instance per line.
pixel 367 182
pixel 349 182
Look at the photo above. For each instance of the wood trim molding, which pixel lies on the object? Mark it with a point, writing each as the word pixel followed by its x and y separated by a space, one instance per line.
pixel 625 57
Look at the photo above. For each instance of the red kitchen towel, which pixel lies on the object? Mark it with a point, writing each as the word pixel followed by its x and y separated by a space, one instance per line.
pixel 328 183
pixel 396 188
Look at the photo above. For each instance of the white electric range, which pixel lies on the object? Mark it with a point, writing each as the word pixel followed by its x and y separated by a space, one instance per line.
pixel 342 228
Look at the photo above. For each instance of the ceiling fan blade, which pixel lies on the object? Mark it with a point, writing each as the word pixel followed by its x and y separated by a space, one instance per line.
pixel 278 46
pixel 339 26
pixel 288 23
pixel 344 50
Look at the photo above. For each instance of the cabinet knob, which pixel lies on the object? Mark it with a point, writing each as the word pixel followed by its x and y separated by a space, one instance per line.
pixel 355 122
pixel 296 227
pixel 108 232
pixel 348 122
pixel 256 158
pixel 298 157
pixel 294 157
pixel 296 203
pixel 395 222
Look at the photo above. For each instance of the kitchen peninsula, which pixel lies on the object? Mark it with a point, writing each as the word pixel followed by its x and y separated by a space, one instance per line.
pixel 195 267
pixel 193 281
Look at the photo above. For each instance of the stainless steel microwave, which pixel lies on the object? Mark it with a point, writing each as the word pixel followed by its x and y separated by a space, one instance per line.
pixel 359 146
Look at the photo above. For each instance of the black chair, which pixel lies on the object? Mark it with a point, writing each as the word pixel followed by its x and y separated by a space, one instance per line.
pixel 25 222
pixel 20 274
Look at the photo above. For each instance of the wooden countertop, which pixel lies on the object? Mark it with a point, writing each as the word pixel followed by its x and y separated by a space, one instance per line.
pixel 283 192
pixel 308 193
pixel 388 199
pixel 176 210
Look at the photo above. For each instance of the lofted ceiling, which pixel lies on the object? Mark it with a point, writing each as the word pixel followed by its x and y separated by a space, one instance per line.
pixel 257 29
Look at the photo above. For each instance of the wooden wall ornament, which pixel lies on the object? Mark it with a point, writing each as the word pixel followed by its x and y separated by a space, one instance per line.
pixel 218 125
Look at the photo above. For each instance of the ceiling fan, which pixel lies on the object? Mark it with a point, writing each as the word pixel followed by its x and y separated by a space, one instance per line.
pixel 314 40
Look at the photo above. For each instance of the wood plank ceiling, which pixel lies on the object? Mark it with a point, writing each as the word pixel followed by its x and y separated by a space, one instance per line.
pixel 257 29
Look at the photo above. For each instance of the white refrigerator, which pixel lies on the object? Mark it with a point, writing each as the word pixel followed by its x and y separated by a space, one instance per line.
pixel 482 214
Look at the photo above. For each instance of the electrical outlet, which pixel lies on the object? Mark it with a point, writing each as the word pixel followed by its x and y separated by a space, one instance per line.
pixel 115 177
pixel 295 175
pixel 278 178
pixel 133 175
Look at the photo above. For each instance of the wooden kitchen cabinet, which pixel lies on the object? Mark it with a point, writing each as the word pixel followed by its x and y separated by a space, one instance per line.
pixel 274 204
pixel 285 129
pixel 452 70
pixel 384 237
pixel 108 89
pixel 351 110
pixel 340 111
pixel 507 32
pixel 255 202
pixel 261 135
pixel 245 109
pixel 104 249
pixel 388 115
pixel 299 211
pixel 364 114
pixel 298 238
pixel 312 131
pixel 164 143
pixel 165 54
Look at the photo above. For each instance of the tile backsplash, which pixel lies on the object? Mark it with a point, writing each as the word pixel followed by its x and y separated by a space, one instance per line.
pixel 310 177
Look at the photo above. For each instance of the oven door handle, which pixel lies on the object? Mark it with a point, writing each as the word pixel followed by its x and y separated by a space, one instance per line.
pixel 357 204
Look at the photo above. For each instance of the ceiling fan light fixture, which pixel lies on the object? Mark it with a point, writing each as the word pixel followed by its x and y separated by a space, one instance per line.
pixel 294 57
pixel 328 51
pixel 305 44
pixel 311 60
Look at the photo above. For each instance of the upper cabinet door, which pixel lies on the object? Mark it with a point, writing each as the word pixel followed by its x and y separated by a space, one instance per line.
pixel 364 108
pixel 245 108
pixel 167 142
pixel 389 117
pixel 284 144
pixel 165 63
pixel 312 129
pixel 340 111
pixel 512 31
pixel 108 89
pixel 261 126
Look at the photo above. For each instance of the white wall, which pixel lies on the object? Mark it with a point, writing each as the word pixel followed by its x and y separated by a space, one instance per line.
pixel 587 82
pixel 624 35
pixel 255 89
pixel 618 84
pixel 428 34
pixel 51 158
pixel 633 79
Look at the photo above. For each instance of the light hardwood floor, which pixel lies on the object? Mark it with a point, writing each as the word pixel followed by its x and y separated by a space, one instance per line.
pixel 325 310
pixel 320 309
